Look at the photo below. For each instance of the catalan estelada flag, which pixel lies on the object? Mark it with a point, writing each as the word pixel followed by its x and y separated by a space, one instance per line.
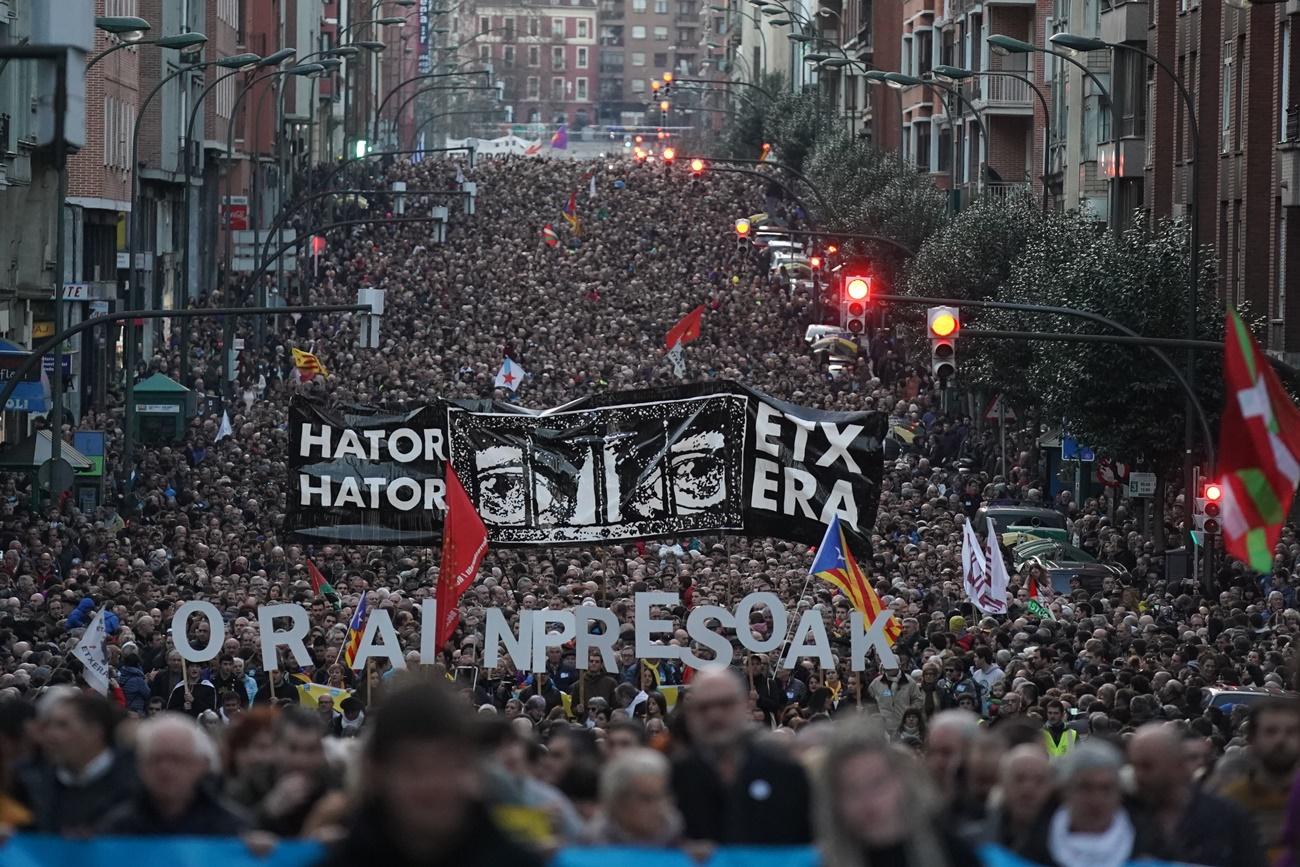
pixel 570 213
pixel 560 140
pixel 356 628
pixel 308 364
pixel 835 565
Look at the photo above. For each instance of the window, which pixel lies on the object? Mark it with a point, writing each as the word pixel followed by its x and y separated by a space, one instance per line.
pixel 557 28
pixel 923 147
pixel 581 85
pixel 557 57
pixel 638 85
pixel 534 87
pixel 638 31
pixel 686 9
pixel 485 53
pixel 584 28
pixel 484 24
pixel 661 60
pixel 510 30
pixel 924 40
pixel 508 55
pixel 1285 91
pixel 638 58
pixel 582 58
pixel 534 26
pixel 661 7
pixel 638 5
pixel 534 56
pixel 685 36
pixel 557 89
pixel 906 62
pixel 1239 98
pixel 1225 132
pixel 661 34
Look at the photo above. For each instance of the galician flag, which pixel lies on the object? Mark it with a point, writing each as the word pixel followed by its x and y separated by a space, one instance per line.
pixel 510 375
pixel 1259 441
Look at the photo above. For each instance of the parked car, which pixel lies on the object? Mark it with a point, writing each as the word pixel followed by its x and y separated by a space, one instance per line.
pixel 1048 523
pixel 1224 697
pixel 1063 564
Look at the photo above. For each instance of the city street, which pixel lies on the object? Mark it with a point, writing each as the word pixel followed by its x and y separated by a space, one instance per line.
pixel 436 435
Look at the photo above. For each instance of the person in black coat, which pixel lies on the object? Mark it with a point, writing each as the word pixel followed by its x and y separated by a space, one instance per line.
pixel 193 695
pixel 418 765
pixel 174 759
pixel 80 777
pixel 730 789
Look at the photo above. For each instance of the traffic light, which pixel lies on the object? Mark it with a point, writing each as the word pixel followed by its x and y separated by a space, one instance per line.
pixel 943 324
pixel 1209 508
pixel 815 262
pixel 669 155
pixel 654 86
pixel 855 300
pixel 697 167
pixel 668 78
pixel 742 229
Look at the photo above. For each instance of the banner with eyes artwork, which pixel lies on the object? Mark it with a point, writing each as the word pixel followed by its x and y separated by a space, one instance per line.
pixel 671 462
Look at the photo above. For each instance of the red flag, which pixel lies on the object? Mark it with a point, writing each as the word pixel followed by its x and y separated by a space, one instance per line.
pixel 464 544
pixel 1259 450
pixel 687 329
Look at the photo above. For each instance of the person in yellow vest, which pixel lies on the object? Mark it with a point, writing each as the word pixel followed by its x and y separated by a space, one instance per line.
pixel 1058 738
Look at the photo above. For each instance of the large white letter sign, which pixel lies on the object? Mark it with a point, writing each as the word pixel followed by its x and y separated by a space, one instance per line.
pixel 293 639
pixel 180 633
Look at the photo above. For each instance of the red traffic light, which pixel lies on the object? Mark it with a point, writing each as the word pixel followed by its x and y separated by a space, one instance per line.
pixel 1213 492
pixel 697 165
pixel 669 155
pixel 815 263
pixel 831 249
pixel 858 288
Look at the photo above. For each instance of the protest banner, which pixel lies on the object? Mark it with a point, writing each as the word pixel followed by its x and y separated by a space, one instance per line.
pixel 706 458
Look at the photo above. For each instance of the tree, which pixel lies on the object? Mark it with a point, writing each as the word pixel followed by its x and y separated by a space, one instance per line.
pixel 1119 400
pixel 743 138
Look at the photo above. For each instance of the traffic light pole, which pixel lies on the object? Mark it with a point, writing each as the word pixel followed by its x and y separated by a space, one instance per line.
pixel 1129 336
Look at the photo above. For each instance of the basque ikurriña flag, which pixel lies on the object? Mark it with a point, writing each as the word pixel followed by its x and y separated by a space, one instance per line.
pixel 836 565
pixel 1259 445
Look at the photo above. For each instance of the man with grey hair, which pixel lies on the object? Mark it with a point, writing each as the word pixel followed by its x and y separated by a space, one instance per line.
pixel 175 760
pixel 636 804
pixel 1092 827
pixel 951 732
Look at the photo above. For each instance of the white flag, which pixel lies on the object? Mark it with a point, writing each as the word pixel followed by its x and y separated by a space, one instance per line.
pixel 591 188
pixel 460 175
pixel 677 358
pixel 90 650
pixel 510 375
pixel 974 566
pixel 997 574
pixel 225 430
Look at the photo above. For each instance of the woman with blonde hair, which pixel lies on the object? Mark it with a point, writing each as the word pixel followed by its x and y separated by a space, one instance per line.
pixel 875 806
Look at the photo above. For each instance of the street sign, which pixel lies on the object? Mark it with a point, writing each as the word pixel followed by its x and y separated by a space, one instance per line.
pixel 997 407
pixel 1072 451
pixel 1141 484
pixel 55 477
pixel 234 212
pixel 1111 474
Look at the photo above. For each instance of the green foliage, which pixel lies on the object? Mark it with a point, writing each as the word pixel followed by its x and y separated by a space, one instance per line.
pixel 972 256
pixel 1122 401
pixel 743 138
pixel 794 124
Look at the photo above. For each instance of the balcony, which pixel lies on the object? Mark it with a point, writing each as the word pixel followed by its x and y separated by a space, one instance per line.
pixel 1124 20
pixel 1003 191
pixel 997 94
pixel 1123 159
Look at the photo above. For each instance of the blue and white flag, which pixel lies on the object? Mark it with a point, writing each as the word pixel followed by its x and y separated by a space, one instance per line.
pixel 510 375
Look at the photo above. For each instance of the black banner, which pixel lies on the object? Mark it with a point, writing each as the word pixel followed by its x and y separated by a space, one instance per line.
pixel 707 458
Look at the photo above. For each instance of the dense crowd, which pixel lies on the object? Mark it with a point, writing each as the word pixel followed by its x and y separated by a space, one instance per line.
pixel 1084 738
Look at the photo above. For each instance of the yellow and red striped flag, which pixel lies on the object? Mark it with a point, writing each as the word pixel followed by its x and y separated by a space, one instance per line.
pixel 308 364
pixel 836 565
pixel 356 629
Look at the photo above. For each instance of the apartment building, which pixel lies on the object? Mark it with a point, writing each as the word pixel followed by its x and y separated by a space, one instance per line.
pixel 640 40
pixel 544 57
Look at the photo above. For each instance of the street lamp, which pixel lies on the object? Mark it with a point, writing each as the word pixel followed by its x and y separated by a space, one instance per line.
pixel 186 43
pixel 128 28
pixel 275 58
pixel 1084 43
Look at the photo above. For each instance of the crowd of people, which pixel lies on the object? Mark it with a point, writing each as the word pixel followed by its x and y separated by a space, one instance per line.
pixel 1086 737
